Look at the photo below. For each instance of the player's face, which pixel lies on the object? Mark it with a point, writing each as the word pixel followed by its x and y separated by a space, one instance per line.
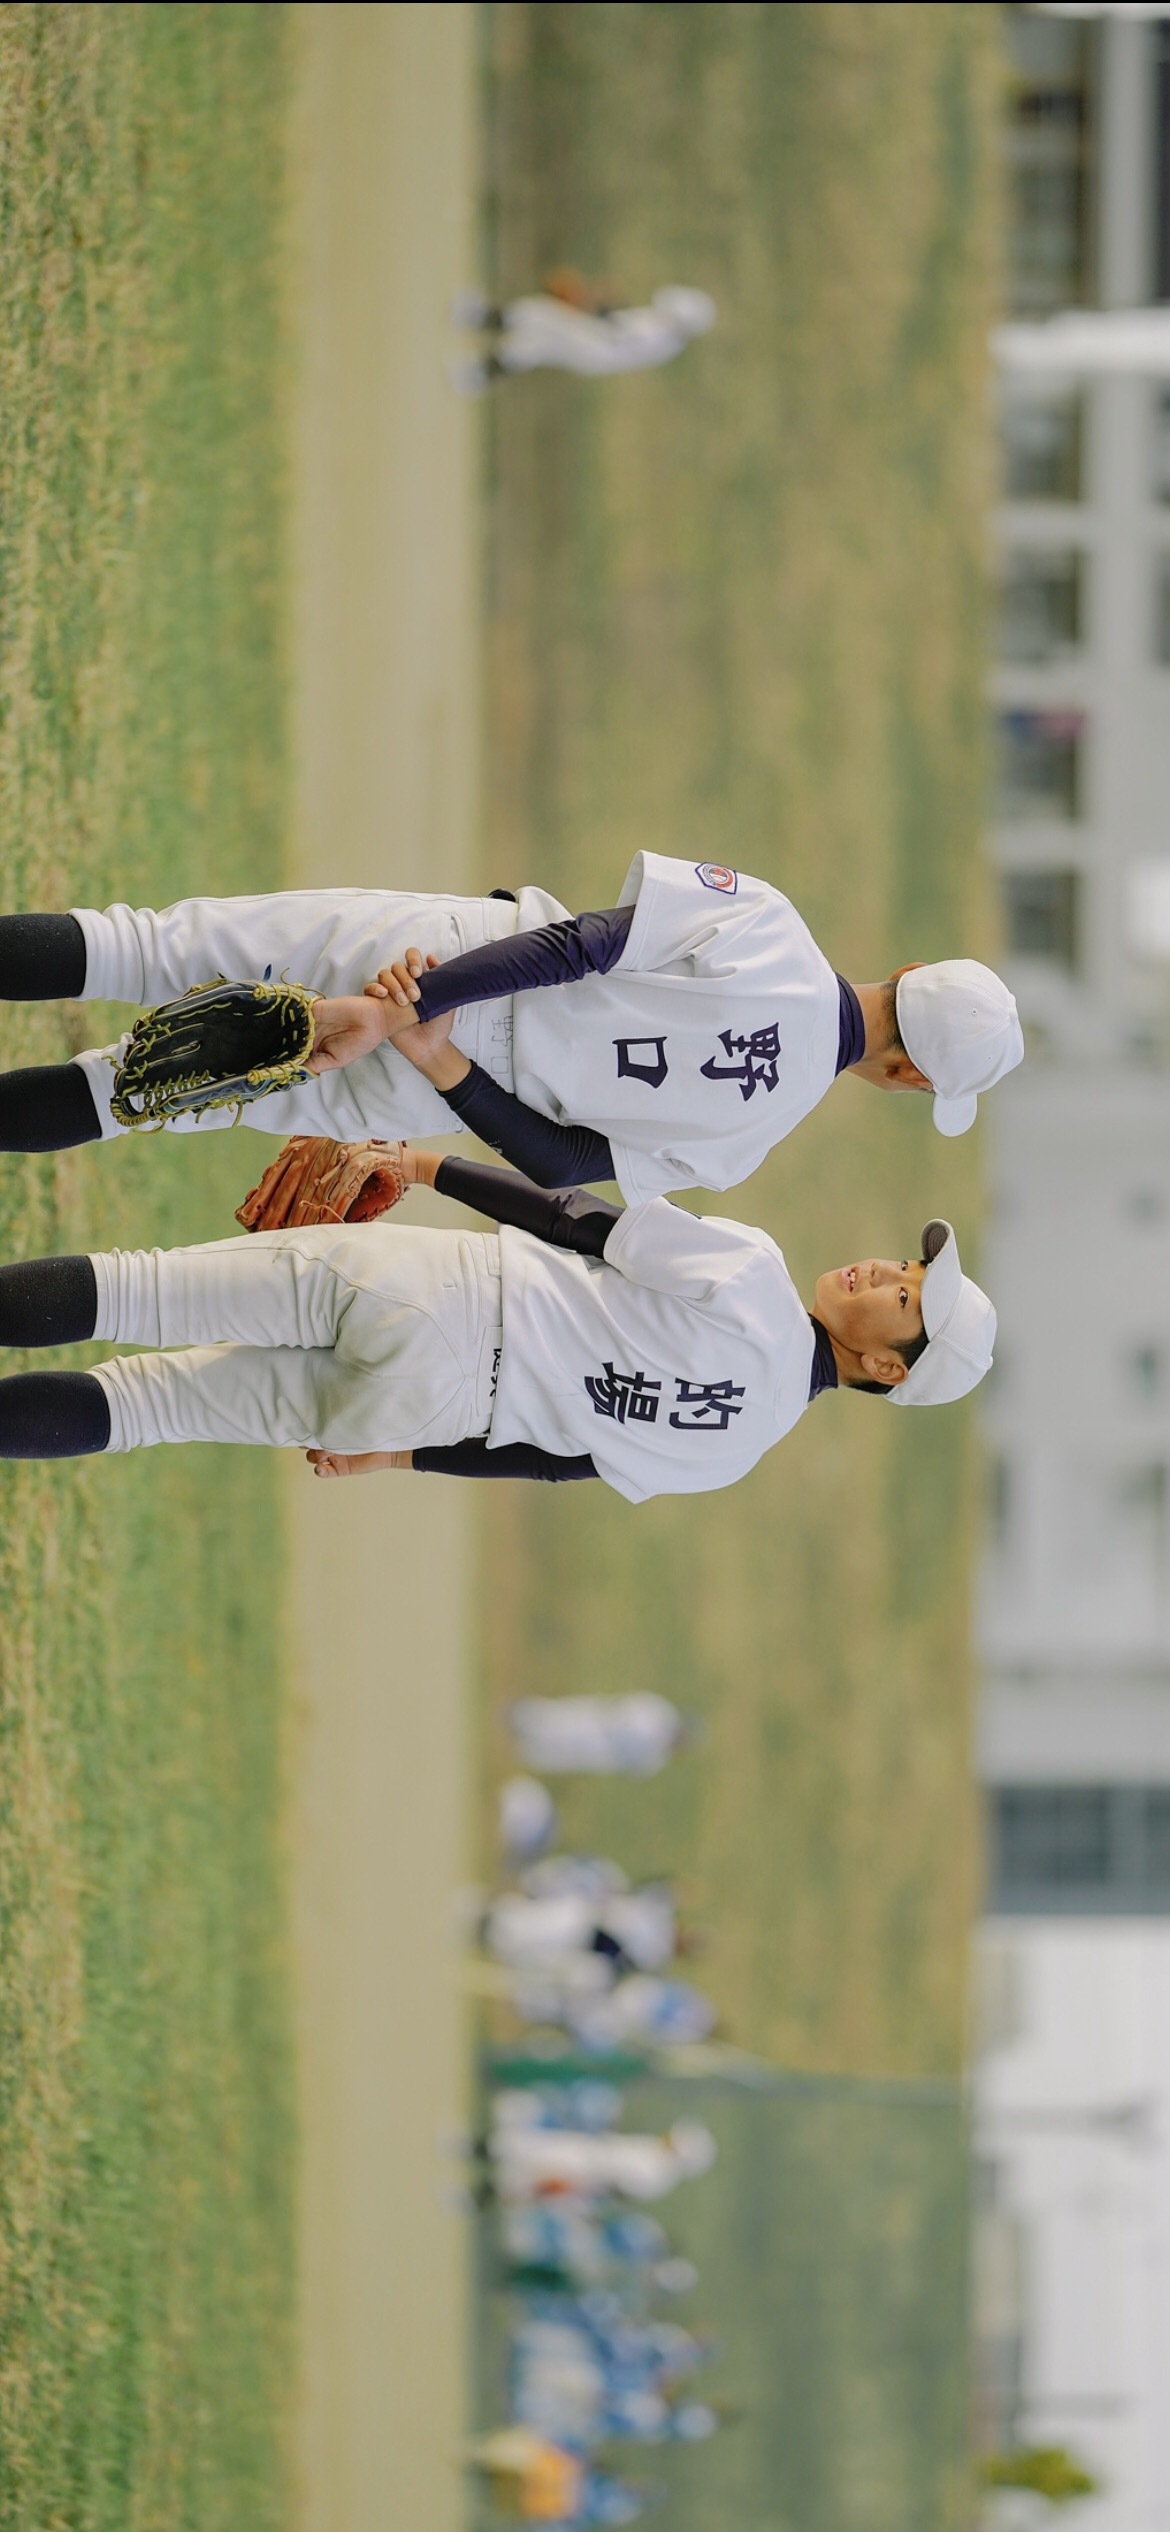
pixel 873 1306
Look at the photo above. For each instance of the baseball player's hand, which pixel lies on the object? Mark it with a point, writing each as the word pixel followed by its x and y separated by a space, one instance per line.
pixel 396 987
pixel 427 1046
pixel 344 1029
pixel 356 1463
pixel 425 1043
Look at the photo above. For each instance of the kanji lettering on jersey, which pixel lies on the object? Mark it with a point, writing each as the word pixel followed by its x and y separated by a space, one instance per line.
pixel 759 1060
pixel 642 1059
pixel 626 1396
pixel 712 1404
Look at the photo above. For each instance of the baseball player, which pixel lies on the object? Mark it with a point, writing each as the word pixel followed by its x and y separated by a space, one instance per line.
pixel 576 324
pixel 669 1041
pixel 528 2157
pixel 624 1929
pixel 633 1735
pixel 661 1352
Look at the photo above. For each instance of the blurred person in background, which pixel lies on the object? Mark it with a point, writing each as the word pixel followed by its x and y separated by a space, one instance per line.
pixel 642 2012
pixel 558 2243
pixel 600 1736
pixel 528 2159
pixel 527 1819
pixel 623 1929
pixel 576 324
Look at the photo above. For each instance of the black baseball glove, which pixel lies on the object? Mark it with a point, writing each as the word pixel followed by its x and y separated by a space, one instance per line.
pixel 219 1046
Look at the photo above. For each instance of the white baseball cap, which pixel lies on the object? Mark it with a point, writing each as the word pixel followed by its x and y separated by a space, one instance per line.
pixel 960 1026
pixel 694 2146
pixel 693 311
pixel 960 1327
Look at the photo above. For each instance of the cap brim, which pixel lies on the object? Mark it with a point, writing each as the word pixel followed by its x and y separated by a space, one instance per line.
pixel 955 1116
pixel 943 1281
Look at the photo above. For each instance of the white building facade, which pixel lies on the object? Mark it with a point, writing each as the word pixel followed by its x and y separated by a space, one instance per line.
pixel 1072 2086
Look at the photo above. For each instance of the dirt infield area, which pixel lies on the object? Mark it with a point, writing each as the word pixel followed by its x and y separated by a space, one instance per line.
pixel 386 733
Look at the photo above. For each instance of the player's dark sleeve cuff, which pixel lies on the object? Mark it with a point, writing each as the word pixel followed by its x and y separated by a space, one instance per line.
pixel 513 1459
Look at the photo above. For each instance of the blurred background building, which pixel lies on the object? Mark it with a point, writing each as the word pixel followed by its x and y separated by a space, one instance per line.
pixel 1073 2073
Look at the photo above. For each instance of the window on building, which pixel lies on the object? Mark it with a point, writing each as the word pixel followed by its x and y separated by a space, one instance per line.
pixel 1162 610
pixel 1042 914
pixel 1146 1373
pixel 1141 1501
pixel 1157 1835
pixel 1086 1850
pixel 1041 441
pixel 1160 471
pixel 1040 606
pixel 1105 1557
pixel 1162 247
pixel 1049 152
pixel 1039 765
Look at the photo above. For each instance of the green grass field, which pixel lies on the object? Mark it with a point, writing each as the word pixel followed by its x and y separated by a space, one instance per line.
pixel 145 2032
pixel 736 612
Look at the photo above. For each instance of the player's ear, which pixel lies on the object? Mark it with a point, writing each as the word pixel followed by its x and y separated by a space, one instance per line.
pixel 889 1369
pixel 904 1070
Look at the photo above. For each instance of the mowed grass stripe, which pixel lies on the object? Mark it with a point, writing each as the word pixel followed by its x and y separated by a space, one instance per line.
pixel 145 2038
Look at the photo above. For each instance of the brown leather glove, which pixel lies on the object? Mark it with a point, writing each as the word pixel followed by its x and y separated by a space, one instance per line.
pixel 316 1180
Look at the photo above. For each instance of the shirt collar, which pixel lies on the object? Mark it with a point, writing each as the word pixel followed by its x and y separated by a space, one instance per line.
pixel 824 1362
pixel 851 1029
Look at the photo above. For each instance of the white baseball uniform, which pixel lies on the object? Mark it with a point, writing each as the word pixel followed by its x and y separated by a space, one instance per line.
pixel 676 1360
pixel 540 1932
pixel 595 1736
pixel 713 1035
pixel 543 332
pixel 529 2159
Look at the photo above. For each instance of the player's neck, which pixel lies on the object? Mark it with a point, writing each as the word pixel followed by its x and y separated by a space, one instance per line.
pixel 874 1001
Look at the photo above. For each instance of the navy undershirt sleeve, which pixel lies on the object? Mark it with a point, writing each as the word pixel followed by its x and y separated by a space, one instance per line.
pixel 851 1028
pixel 553 954
pixel 512 1459
pixel 565 1218
pixel 554 1155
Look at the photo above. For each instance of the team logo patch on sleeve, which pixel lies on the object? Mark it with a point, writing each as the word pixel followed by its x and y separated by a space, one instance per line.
pixel 716 875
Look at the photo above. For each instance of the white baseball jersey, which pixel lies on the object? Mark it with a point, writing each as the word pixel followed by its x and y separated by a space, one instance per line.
pixel 716 1032
pixel 676 1360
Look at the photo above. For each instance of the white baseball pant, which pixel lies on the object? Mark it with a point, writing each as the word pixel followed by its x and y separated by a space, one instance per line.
pixel 350 1338
pixel 332 939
